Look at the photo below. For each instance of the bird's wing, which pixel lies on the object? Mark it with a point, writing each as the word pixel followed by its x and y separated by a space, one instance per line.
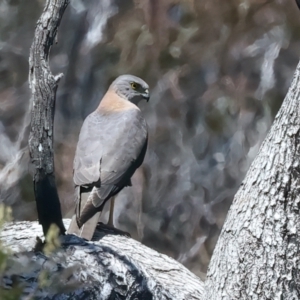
pixel 120 160
pixel 86 167
pixel 110 148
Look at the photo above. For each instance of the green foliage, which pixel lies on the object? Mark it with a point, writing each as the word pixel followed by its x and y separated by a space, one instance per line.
pixel 5 216
pixel 52 240
pixel 52 244
pixel 18 268
pixel 16 291
pixel 13 294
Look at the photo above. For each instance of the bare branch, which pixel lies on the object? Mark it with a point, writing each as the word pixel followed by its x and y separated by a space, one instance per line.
pixel 43 86
pixel 114 267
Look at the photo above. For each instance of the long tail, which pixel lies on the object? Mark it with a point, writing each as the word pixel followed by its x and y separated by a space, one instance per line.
pixel 85 220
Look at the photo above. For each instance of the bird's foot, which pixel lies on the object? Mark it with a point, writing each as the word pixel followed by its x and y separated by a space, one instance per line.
pixel 108 229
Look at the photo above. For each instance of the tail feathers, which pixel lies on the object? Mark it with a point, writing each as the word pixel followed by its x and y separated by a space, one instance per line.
pixel 88 208
pixel 87 230
pixel 87 215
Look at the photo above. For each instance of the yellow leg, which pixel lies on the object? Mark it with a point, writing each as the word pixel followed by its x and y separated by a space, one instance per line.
pixel 111 212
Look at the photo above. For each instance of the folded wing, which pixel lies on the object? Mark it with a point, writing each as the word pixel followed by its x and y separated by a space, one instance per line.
pixel 110 148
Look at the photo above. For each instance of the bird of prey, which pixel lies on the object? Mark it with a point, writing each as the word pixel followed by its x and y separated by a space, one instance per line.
pixel 111 146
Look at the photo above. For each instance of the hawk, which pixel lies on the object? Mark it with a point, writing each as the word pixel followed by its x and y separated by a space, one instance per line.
pixel 111 146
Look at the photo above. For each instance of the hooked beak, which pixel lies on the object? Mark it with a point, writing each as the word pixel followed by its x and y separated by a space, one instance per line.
pixel 146 95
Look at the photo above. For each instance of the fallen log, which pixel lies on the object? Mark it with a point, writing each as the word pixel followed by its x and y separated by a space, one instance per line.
pixel 109 267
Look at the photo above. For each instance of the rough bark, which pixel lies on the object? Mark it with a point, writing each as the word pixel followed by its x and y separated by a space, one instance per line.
pixel 43 86
pixel 257 254
pixel 114 267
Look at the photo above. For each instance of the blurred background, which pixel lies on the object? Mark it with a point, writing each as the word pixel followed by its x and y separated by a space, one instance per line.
pixel 218 72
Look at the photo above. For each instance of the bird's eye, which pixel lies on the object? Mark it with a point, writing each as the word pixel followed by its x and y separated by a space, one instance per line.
pixel 134 85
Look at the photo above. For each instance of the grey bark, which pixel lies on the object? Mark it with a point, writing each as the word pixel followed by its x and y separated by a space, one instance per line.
pixel 113 267
pixel 43 86
pixel 257 254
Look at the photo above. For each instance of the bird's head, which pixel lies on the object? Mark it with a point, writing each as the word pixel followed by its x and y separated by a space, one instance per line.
pixel 131 88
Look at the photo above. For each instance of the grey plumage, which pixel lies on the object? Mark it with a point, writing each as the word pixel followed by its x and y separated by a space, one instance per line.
pixel 111 146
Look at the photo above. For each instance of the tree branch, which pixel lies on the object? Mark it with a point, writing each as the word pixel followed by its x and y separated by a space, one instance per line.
pixel 114 267
pixel 43 86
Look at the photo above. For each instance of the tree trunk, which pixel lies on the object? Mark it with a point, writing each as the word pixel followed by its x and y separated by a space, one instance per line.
pixel 114 267
pixel 257 254
pixel 43 86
